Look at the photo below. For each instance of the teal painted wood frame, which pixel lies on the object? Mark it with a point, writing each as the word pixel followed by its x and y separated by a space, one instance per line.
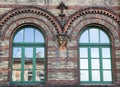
pixel 33 45
pixel 98 45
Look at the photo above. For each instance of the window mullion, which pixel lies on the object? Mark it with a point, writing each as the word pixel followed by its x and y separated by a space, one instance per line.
pixel 34 64
pixel 22 64
pixel 89 64
pixel 101 65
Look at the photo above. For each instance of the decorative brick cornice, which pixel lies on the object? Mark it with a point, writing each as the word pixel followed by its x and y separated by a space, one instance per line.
pixel 92 10
pixel 30 9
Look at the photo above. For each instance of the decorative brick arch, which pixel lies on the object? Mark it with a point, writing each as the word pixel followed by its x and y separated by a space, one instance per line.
pixel 92 13
pixel 100 17
pixel 28 15
pixel 14 19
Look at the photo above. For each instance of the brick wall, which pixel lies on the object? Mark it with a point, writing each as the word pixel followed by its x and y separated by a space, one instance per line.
pixel 62 64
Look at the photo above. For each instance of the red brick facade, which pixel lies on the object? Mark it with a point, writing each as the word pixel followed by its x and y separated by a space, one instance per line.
pixel 50 25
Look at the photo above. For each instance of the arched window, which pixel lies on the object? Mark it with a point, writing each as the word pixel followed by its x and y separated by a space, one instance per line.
pixel 28 56
pixel 95 56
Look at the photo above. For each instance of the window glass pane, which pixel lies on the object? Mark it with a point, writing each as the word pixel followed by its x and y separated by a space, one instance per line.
pixel 84 37
pixel 28 52
pixel 19 36
pixel 94 52
pixel 29 35
pixel 17 52
pixel 107 76
pixel 39 63
pixel 83 63
pixel 84 75
pixel 28 75
pixel 95 64
pixel 16 74
pixel 28 63
pixel 40 52
pixel 38 36
pixel 40 75
pixel 94 36
pixel 83 53
pixel 95 75
pixel 106 64
pixel 16 63
pixel 103 37
pixel 105 52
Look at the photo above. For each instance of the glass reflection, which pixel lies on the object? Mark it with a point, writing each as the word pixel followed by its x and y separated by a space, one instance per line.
pixel 40 52
pixel 83 53
pixel 83 63
pixel 28 64
pixel 106 52
pixel 38 36
pixel 16 74
pixel 84 75
pixel 17 52
pixel 95 75
pixel 29 35
pixel 40 64
pixel 28 52
pixel 19 36
pixel 28 75
pixel 94 52
pixel 107 76
pixel 84 37
pixel 94 35
pixel 106 64
pixel 95 64
pixel 103 37
pixel 40 75
pixel 16 64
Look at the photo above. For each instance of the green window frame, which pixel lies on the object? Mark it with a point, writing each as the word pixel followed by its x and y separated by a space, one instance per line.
pixel 28 56
pixel 95 56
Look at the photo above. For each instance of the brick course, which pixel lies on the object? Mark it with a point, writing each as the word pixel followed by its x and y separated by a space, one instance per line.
pixel 62 65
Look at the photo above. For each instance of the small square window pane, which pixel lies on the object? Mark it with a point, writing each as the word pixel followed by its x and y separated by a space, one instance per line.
pixel 83 63
pixel 40 75
pixel 95 64
pixel 16 63
pixel 107 76
pixel 17 52
pixel 40 52
pixel 105 52
pixel 16 75
pixel 106 64
pixel 29 35
pixel 83 53
pixel 94 52
pixel 28 75
pixel 84 75
pixel 84 37
pixel 103 37
pixel 28 64
pixel 38 36
pixel 19 36
pixel 28 52
pixel 95 75
pixel 40 64
pixel 94 36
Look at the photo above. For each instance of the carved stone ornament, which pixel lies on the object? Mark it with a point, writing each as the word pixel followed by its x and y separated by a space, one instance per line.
pixel 62 41
pixel 62 7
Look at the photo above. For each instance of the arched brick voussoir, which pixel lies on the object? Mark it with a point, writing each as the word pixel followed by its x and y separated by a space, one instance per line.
pixel 82 14
pixel 28 21
pixel 22 12
pixel 112 30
